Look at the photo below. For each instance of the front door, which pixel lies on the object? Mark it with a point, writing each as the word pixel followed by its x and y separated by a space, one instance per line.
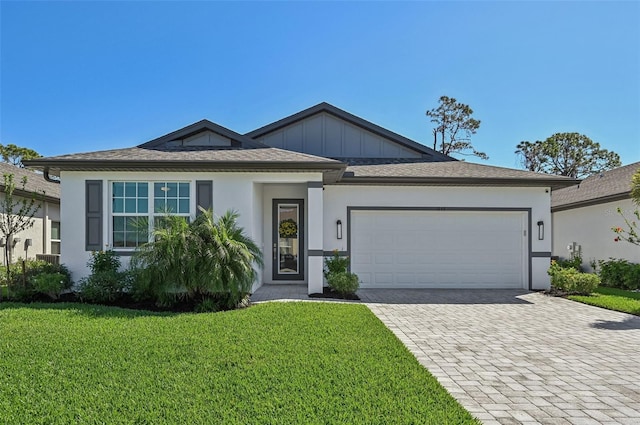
pixel 288 239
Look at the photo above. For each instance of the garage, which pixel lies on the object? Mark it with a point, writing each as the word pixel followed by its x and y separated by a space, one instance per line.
pixel 428 248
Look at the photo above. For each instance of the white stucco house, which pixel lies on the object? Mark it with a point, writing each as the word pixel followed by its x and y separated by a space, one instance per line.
pixel 584 214
pixel 406 215
pixel 43 238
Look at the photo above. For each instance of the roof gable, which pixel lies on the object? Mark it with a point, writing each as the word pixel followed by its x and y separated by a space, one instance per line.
pixel 203 133
pixel 326 130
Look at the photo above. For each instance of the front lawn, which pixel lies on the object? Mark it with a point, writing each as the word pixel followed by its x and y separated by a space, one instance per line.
pixel 279 363
pixel 612 299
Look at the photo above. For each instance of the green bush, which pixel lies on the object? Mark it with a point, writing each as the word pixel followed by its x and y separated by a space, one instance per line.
pixel 572 281
pixel 21 287
pixel 344 283
pixel 618 273
pixel 572 263
pixel 335 264
pixel 106 282
pixel 51 284
pixel 210 257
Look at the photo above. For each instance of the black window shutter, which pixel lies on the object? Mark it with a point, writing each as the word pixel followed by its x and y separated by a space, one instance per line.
pixel 204 195
pixel 93 214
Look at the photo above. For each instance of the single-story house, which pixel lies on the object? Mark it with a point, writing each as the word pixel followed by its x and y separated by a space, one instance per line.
pixel 406 215
pixel 42 240
pixel 584 214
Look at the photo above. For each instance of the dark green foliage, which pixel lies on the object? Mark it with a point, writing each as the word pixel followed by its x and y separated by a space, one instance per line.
pixel 106 282
pixel 14 155
pixel 572 281
pixel 618 273
pixel 344 283
pixel 572 263
pixel 209 257
pixel 454 127
pixel 273 363
pixel 23 287
pixel 335 264
pixel 612 299
pixel 51 284
pixel 567 154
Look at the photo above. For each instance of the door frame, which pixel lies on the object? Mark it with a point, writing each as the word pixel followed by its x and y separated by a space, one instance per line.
pixel 275 238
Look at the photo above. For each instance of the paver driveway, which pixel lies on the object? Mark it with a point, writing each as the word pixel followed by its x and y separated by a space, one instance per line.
pixel 511 357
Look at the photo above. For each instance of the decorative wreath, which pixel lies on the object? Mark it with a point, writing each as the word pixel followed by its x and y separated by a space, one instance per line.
pixel 288 228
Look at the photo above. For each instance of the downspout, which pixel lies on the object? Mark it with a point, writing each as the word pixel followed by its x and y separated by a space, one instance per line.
pixel 48 178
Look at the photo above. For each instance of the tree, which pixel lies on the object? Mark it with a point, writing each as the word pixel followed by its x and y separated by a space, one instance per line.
pixel 15 154
pixel 631 234
pixel 454 127
pixel 16 215
pixel 567 154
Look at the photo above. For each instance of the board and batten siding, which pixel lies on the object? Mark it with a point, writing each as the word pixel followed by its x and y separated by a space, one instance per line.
pixel 325 135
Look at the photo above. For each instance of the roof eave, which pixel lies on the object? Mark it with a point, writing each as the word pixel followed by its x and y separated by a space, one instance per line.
pixel 55 166
pixel 554 184
pixel 590 202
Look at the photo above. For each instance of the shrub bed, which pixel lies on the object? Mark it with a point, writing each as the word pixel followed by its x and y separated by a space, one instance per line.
pixel 618 273
pixel 571 281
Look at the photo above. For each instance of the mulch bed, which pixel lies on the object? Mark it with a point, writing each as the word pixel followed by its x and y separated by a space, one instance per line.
pixel 330 293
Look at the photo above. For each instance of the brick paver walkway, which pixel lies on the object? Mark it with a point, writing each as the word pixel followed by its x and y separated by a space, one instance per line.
pixel 515 358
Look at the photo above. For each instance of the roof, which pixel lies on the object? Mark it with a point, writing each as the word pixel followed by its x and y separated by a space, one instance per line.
pixel 450 173
pixel 189 158
pixel 432 154
pixel 198 127
pixel 612 185
pixel 35 182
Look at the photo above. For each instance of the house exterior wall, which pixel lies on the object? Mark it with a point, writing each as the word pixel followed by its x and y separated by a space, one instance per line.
pixel 338 198
pixel 325 135
pixel 40 233
pixel 590 227
pixel 246 193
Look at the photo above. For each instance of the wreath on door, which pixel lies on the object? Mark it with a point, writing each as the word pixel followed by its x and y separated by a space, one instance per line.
pixel 288 228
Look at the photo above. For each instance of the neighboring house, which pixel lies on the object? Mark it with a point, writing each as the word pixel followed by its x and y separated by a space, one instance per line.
pixel 44 236
pixel 584 214
pixel 317 181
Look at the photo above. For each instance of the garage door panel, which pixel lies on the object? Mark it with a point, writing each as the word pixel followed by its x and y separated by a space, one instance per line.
pixel 453 249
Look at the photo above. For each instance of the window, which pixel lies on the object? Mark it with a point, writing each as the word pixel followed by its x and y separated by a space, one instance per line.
pixel 55 237
pixel 134 208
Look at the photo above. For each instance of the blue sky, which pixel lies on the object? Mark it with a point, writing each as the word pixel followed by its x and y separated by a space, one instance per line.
pixel 83 76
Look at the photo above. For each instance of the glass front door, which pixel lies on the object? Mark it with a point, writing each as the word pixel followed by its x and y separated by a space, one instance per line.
pixel 288 239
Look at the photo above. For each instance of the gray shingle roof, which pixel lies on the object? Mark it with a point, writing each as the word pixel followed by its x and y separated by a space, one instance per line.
pixel 461 171
pixel 196 154
pixel 604 187
pixel 35 182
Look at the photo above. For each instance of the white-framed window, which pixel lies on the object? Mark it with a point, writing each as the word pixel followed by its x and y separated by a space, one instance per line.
pixel 55 237
pixel 135 206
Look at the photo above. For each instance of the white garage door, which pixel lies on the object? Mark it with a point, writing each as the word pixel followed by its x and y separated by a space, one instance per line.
pixel 439 249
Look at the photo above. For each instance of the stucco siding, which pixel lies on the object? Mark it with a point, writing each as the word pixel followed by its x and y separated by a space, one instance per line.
pixel 243 192
pixel 590 227
pixel 39 233
pixel 339 198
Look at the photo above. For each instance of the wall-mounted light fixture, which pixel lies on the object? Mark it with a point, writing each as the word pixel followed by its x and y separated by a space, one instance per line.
pixel 540 230
pixel 339 229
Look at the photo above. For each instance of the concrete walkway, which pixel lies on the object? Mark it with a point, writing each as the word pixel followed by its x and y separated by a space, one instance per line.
pixel 511 357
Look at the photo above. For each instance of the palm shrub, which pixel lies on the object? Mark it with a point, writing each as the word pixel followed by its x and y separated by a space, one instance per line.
pixel 210 258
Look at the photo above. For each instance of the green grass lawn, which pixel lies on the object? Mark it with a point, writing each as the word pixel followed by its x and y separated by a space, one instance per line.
pixel 274 363
pixel 613 299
